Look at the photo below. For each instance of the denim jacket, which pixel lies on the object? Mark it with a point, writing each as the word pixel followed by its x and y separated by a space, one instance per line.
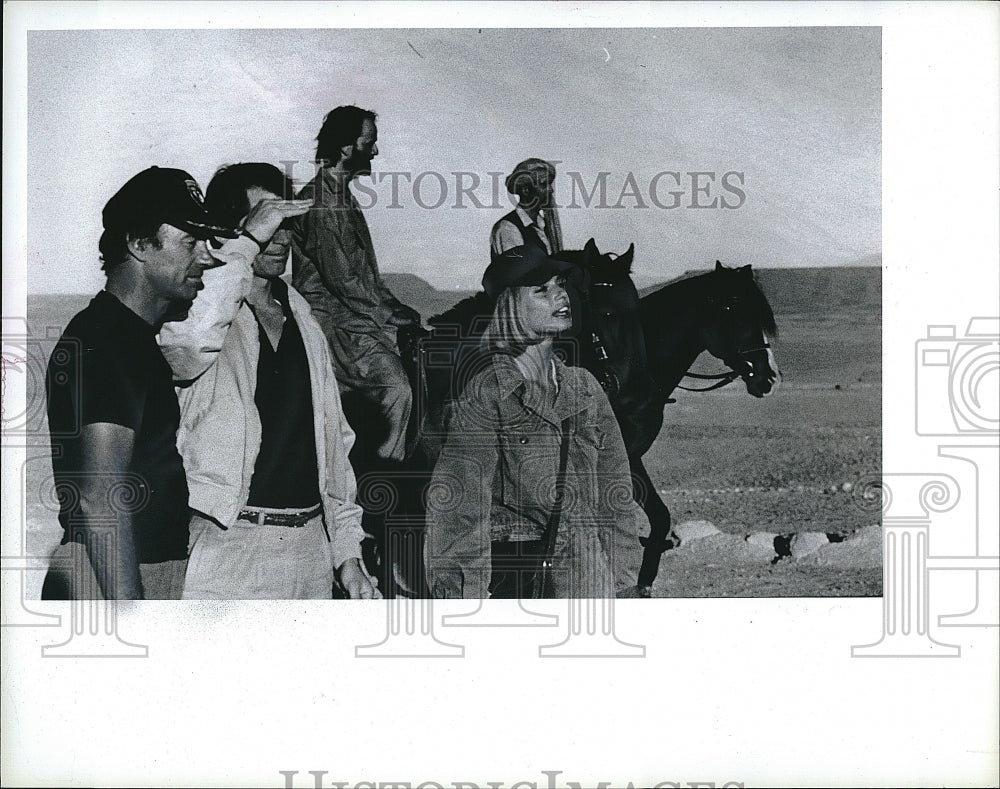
pixel 494 481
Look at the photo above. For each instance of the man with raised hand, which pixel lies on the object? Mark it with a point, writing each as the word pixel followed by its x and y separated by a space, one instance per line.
pixel 264 440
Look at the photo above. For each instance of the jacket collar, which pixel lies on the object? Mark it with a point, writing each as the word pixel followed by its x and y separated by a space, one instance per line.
pixel 572 397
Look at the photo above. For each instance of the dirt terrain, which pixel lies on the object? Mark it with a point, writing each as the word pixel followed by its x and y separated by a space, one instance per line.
pixel 729 467
pixel 800 461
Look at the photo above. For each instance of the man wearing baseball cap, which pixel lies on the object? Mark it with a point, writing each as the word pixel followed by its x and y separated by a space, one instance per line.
pixel 113 415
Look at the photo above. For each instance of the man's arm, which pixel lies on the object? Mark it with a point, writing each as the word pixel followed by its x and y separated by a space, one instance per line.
pixel 402 314
pixel 356 582
pixel 192 345
pixel 344 521
pixel 504 236
pixel 106 452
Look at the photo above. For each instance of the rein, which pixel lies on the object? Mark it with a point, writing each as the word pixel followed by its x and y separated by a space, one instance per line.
pixel 723 379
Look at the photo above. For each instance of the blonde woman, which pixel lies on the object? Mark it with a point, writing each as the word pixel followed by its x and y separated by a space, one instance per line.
pixel 531 495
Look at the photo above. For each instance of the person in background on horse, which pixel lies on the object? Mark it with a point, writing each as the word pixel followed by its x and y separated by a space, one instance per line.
pixel 112 411
pixel 264 441
pixel 334 267
pixel 534 220
pixel 526 425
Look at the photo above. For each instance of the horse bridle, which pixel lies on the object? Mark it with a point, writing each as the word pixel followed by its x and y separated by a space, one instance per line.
pixel 724 379
pixel 609 380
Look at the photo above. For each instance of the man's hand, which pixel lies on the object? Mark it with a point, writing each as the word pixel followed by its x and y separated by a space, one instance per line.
pixel 357 583
pixel 266 217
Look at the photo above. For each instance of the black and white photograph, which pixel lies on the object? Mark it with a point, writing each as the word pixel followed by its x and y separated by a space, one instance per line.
pixel 634 368
pixel 728 224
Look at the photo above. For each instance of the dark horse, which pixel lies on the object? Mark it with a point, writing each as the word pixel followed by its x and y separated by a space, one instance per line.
pixel 722 312
pixel 639 349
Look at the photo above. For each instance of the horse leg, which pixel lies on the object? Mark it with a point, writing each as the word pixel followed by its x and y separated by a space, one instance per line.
pixel 405 532
pixel 661 534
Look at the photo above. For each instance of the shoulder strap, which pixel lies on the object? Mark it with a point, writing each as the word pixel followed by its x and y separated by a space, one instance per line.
pixel 543 578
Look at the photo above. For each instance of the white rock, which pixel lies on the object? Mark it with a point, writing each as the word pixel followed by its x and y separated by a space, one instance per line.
pixel 695 530
pixel 761 543
pixel 806 542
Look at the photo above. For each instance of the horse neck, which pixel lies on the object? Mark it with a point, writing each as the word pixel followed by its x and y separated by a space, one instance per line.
pixel 673 322
pixel 629 363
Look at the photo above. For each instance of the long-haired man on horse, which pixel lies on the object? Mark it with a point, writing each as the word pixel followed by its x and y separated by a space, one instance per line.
pixel 534 220
pixel 335 268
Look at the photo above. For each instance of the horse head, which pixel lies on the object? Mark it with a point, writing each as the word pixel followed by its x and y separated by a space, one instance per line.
pixel 738 325
pixel 609 334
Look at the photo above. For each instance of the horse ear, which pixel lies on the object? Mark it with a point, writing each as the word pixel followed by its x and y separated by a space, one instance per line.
pixel 718 265
pixel 590 247
pixel 745 270
pixel 625 259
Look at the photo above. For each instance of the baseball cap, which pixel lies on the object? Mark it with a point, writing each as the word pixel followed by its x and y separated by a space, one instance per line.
pixel 525 266
pixel 167 196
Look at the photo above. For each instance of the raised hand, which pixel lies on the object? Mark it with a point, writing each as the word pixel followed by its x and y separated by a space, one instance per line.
pixel 266 217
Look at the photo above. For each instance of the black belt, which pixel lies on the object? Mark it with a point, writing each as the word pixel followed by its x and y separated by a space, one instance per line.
pixel 291 519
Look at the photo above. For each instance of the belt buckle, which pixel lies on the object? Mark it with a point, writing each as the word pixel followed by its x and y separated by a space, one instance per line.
pixel 290 520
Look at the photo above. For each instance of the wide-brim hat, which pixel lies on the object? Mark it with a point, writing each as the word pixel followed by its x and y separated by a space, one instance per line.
pixel 163 195
pixel 525 266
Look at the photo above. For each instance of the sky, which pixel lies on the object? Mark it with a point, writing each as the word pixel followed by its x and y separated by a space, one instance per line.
pixel 792 115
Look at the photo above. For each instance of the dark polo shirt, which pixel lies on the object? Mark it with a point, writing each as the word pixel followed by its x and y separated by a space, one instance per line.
pixel 107 367
pixel 285 475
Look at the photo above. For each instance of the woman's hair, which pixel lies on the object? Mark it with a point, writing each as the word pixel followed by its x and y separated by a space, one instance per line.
pixel 506 332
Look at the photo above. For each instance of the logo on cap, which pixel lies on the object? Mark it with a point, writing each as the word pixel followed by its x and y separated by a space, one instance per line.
pixel 195 191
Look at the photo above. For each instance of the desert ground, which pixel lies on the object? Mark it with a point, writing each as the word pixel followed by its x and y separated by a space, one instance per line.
pixel 769 495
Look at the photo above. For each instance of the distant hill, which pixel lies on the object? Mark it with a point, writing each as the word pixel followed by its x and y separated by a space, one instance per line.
pixel 812 291
pixel 422 296
pixel 807 291
pixel 791 291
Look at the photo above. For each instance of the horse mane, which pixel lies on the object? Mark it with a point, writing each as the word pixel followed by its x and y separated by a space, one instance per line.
pixel 697 288
pixel 607 267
